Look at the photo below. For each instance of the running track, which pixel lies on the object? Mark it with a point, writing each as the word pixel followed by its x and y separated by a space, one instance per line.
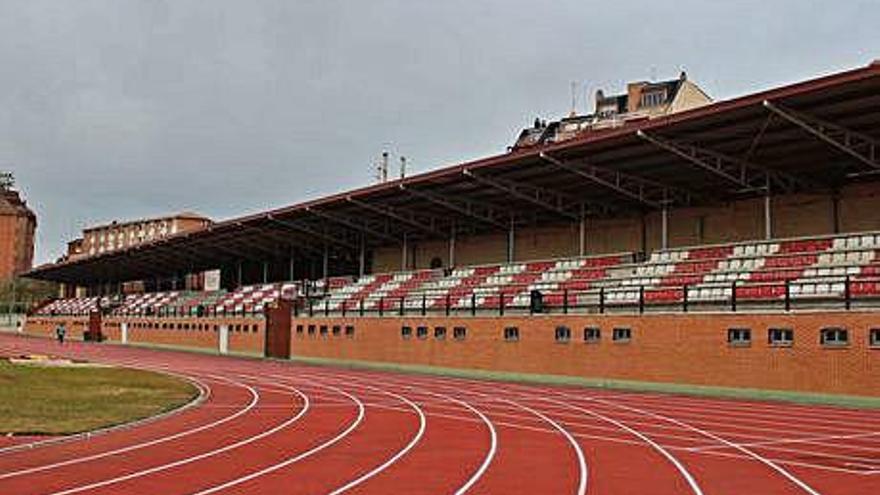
pixel 270 428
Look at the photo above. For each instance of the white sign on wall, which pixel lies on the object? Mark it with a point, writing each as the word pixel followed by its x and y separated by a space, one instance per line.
pixel 212 280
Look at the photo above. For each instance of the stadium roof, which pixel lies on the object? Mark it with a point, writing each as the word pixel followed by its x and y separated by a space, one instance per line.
pixel 815 135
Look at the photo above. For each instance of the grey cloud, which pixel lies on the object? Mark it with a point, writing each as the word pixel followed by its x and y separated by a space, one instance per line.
pixel 121 108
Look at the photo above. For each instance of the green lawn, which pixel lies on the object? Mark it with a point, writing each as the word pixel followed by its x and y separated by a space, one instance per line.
pixel 64 400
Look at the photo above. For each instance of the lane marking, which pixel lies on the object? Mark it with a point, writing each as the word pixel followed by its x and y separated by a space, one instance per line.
pixel 198 457
pixel 779 469
pixel 493 436
pixel 582 462
pixel 397 456
pixel 351 427
pixel 695 487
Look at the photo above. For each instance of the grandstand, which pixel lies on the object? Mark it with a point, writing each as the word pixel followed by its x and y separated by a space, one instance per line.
pixel 733 244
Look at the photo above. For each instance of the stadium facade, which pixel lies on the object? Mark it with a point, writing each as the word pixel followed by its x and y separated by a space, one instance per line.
pixel 732 244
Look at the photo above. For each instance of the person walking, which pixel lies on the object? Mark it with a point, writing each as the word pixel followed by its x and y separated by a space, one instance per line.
pixel 60 332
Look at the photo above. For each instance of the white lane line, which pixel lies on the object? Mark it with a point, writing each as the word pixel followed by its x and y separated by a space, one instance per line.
pixel 695 487
pixel 250 405
pixel 275 467
pixel 490 455
pixel 815 439
pixel 736 408
pixel 772 465
pixel 199 457
pixel 582 462
pixel 485 399
pixel 493 435
pixel 531 390
pixel 397 456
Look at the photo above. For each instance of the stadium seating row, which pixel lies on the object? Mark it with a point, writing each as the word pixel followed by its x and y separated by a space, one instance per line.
pixel 761 270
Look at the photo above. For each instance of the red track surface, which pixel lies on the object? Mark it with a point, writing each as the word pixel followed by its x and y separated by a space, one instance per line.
pixel 267 427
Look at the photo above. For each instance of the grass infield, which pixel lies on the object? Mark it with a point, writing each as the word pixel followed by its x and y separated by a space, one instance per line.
pixel 41 400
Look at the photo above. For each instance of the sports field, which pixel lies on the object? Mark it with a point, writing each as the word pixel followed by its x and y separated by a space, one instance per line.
pixel 272 427
pixel 53 399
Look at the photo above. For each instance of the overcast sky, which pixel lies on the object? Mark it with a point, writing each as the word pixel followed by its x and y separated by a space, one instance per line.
pixel 120 109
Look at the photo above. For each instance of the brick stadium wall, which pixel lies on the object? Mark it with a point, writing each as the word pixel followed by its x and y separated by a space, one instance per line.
pixel 45 326
pixel 246 335
pixel 676 348
pixel 793 216
pixel 681 348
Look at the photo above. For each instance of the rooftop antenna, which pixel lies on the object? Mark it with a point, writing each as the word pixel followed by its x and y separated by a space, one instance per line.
pixel 385 166
pixel 402 167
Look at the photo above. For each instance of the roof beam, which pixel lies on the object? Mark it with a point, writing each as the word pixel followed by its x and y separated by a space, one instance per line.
pixel 860 146
pixel 745 175
pixel 410 220
pixel 364 229
pixel 530 194
pixel 311 232
pixel 641 190
pixel 466 210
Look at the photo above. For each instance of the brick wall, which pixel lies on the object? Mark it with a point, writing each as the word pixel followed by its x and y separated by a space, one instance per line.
pixel 677 348
pixel 664 348
pixel 246 335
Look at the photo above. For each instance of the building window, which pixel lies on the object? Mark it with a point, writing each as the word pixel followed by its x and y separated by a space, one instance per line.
pixel 459 333
pixel 311 329
pixel 349 331
pixel 592 335
pixel 337 330
pixel 406 332
pixel 622 335
pixel 422 332
pixel 834 337
pixel 875 337
pixel 439 333
pixel 739 337
pixel 563 334
pixel 780 337
pixel 299 329
pixel 653 98
pixel 323 330
pixel 511 334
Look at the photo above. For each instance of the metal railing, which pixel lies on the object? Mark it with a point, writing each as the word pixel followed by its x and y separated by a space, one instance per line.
pixel 842 293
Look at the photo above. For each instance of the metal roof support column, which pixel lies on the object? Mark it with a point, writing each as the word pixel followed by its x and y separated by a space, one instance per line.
pixel 451 262
pixel 403 254
pixel 511 241
pixel 326 265
pixel 265 272
pixel 290 268
pixel 768 215
pixel 362 256
pixel 835 210
pixel 582 233
pixel 238 280
pixel 664 228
